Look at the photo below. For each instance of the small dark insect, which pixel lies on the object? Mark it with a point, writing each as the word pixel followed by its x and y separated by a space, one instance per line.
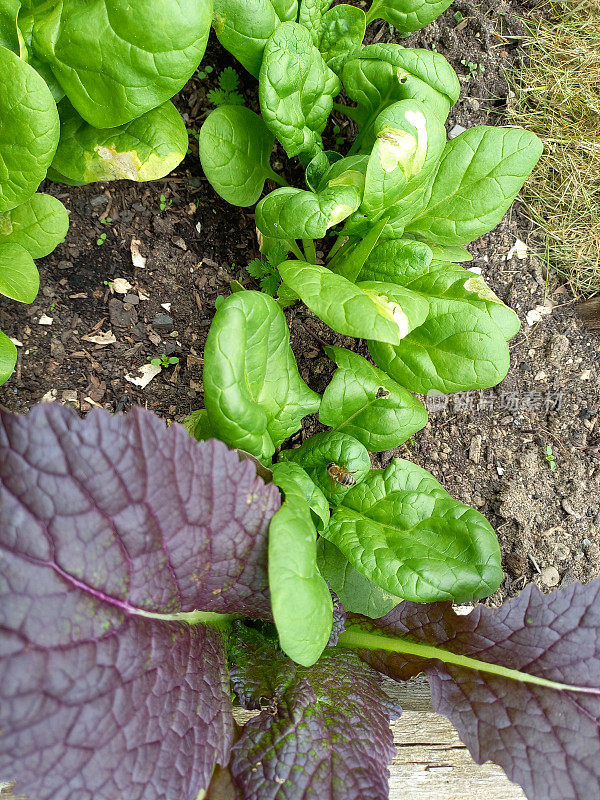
pixel 340 474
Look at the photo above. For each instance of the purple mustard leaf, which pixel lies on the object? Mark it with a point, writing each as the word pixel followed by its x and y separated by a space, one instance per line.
pixel 326 734
pixel 546 740
pixel 104 523
pixel 339 620
pixel 259 670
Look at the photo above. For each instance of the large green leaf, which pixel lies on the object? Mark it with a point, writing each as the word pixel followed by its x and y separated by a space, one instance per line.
pixel 8 358
pixel 244 26
pixel 117 59
pixel 462 343
pixel 145 149
pixel 29 130
pixel 9 32
pixel 289 213
pixel 376 310
pixel 253 393
pixel 323 449
pixel 341 33
pixel 382 74
pixel 410 264
pixel 366 403
pixel 235 149
pixel 404 532
pixel 409 142
pixel 296 90
pixel 39 225
pixel 19 278
pixel 310 15
pixel 480 174
pixel 407 15
pixel 357 594
pixel 300 599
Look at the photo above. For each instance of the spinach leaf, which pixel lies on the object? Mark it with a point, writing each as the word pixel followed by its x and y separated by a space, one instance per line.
pixel 291 477
pixel 407 15
pixel 341 33
pixel 117 59
pixel 322 449
pixel 254 395
pixel 409 264
pixel 480 174
pixel 19 278
pixel 8 357
pixel 366 403
pixel 296 90
pixel 9 32
pixel 39 225
pixel 244 26
pixel 402 530
pixel 382 74
pixel 301 602
pixel 289 213
pixel 29 130
pixel 145 149
pixel 235 149
pixel 310 15
pixel 357 594
pixel 377 310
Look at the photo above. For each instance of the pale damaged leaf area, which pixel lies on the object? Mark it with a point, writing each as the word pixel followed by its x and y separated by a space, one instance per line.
pixel 145 149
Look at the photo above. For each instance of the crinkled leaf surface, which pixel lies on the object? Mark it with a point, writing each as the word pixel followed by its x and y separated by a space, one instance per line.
pixel 29 130
pixel 322 449
pixel 375 310
pixel 407 15
pixel 403 531
pixel 19 278
pixel 327 734
pixel 235 149
pixel 382 74
pixel 300 599
pixel 296 89
pixel 290 477
pixel 244 26
pixel 110 527
pixel 253 391
pixel 366 403
pixel 547 741
pixel 462 343
pixel 117 59
pixel 356 593
pixel 145 149
pixel 289 213
pixel 310 15
pixel 39 225
pixel 480 174
pixel 341 33
pixel 8 358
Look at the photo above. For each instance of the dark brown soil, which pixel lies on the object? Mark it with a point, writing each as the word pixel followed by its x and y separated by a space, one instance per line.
pixel 489 449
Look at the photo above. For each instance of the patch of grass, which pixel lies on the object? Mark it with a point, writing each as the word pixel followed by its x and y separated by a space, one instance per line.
pixel 557 95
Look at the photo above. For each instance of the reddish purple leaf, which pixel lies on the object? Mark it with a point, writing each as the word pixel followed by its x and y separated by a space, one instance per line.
pixel 327 734
pixel 547 741
pixel 103 521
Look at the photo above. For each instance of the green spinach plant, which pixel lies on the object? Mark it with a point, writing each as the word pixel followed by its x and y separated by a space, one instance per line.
pixel 140 572
pixel 85 94
pixel 403 200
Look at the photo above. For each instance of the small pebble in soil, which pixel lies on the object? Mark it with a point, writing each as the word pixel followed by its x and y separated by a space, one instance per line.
pixel 550 577
pixel 163 323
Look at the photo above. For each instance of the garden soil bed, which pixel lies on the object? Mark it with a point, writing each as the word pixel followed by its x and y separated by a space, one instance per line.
pixel 489 449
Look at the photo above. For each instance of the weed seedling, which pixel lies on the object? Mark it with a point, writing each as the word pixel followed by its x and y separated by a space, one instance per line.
pixel 266 272
pixel 550 457
pixel 164 203
pixel 227 94
pixel 472 66
pixel 163 361
pixel 101 239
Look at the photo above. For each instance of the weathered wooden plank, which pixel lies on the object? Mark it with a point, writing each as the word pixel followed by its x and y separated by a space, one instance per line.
pixel 431 762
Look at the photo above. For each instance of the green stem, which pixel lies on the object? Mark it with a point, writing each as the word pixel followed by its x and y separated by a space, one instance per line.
pixel 310 251
pixel 295 250
pixel 372 12
pixel 358 639
pixel 277 178
pixel 341 240
pixel 192 617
